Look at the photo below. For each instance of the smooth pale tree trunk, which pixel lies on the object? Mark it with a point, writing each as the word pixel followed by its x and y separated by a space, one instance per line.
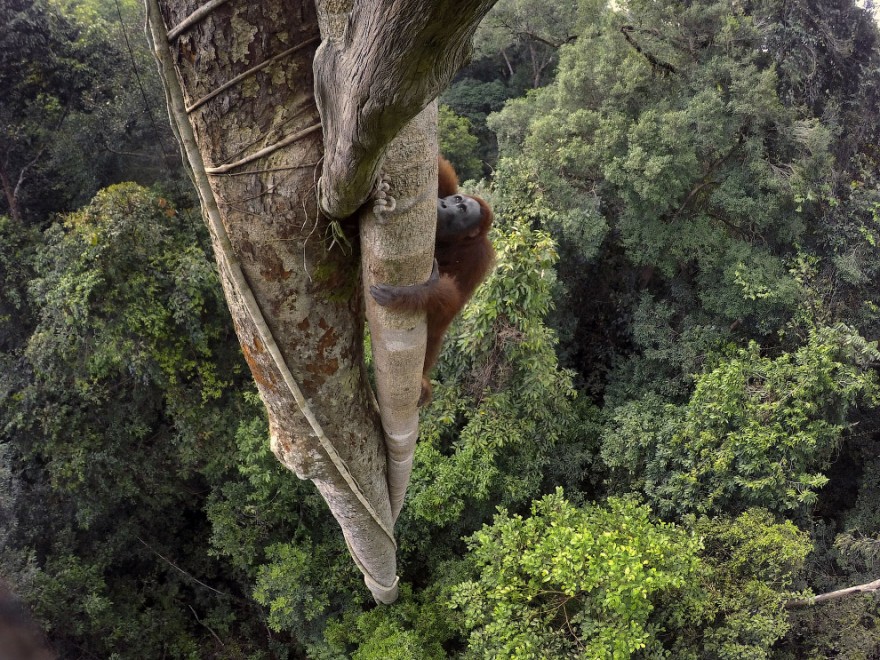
pixel 398 248
pixel 241 94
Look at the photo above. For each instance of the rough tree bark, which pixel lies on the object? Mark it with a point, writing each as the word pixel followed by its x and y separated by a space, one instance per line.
pixel 391 59
pixel 240 89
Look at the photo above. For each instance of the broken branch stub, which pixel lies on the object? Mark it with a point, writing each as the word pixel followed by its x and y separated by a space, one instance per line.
pixel 374 72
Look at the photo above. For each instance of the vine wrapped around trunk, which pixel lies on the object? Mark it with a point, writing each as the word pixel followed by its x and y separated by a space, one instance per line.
pixel 242 98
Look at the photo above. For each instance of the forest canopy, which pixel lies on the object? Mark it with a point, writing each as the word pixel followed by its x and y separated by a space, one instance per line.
pixel 654 431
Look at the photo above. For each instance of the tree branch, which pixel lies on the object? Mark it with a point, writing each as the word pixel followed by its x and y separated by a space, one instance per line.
pixel 528 35
pixel 625 30
pixel 706 180
pixel 306 362
pixel 867 588
pixel 507 62
pixel 552 44
pixel 392 59
pixel 178 568
pixel 22 173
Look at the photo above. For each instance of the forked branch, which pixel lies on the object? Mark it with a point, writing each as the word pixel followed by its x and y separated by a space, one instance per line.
pixel 379 65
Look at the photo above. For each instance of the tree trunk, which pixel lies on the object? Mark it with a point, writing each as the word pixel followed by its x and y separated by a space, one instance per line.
pixel 254 148
pixel 867 588
pixel 398 248
pixel 378 69
pixel 10 194
pixel 242 97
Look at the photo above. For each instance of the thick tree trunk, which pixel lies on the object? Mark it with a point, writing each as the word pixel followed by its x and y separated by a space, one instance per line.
pixel 242 97
pixel 239 84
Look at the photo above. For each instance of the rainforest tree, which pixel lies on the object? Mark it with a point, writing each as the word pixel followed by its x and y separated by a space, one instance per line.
pixel 256 126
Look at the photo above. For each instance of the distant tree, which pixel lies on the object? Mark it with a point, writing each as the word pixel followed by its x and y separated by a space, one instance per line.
pixel 83 106
pixel 47 74
pixel 126 137
pixel 534 32
pixel 458 144
pixel 517 49
pixel 685 170
pixel 118 414
pixel 568 582
pixel 757 431
pixel 608 582
pixel 473 100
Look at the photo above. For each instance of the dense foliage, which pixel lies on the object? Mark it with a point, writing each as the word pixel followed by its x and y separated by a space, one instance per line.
pixel 655 424
pixel 82 105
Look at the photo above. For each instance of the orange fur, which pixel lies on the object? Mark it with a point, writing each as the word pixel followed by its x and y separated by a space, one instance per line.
pixel 463 262
pixel 447 179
